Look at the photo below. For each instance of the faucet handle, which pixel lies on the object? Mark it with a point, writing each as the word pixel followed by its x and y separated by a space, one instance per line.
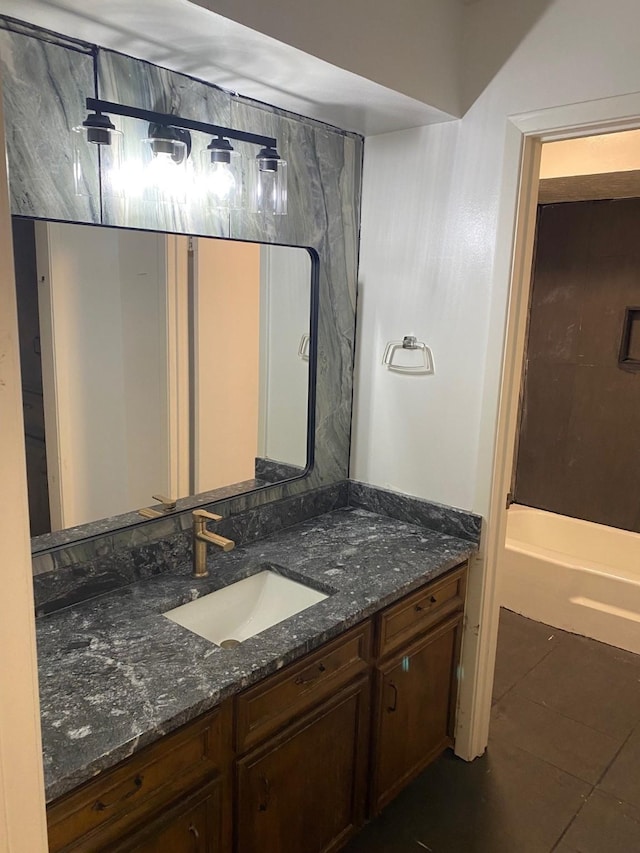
pixel 168 504
pixel 203 513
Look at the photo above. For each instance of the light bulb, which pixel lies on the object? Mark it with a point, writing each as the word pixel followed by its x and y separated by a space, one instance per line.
pixel 164 173
pixel 220 166
pixel 222 182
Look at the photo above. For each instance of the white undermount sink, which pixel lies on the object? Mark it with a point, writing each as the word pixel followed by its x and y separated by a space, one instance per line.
pixel 232 614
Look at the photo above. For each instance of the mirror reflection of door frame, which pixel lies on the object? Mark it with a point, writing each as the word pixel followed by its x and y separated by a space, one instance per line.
pixel 61 453
pixel 178 353
pixel 54 441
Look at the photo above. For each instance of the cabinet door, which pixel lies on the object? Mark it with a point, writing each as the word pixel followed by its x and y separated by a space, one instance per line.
pixel 303 791
pixel 192 825
pixel 415 708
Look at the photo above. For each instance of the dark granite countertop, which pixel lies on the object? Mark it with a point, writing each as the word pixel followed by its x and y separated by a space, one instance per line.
pixel 116 675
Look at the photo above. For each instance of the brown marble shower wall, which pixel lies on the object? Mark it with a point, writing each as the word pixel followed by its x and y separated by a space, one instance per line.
pixel 579 440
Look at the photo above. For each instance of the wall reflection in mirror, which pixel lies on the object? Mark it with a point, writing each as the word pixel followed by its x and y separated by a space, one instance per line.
pixel 157 365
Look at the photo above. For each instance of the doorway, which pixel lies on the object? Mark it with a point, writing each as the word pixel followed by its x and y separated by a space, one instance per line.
pixel 573 531
pixel 525 135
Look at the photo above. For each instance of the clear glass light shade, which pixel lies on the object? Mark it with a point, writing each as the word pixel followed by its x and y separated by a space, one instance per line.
pixel 93 151
pixel 267 187
pixel 221 177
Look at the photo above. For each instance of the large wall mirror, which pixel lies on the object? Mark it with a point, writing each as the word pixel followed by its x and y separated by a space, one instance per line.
pixel 158 365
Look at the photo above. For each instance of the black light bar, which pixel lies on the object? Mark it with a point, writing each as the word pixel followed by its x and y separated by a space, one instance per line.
pixel 169 120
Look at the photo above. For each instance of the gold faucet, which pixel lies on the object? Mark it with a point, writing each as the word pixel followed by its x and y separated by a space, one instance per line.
pixel 201 535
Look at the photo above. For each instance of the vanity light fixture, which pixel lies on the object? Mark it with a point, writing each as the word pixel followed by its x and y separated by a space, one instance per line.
pixel 168 147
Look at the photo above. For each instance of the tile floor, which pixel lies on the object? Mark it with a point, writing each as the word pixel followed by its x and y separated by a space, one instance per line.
pixel 562 771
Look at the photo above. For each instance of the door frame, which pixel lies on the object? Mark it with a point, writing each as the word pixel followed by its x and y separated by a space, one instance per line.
pixel 22 812
pixel 525 134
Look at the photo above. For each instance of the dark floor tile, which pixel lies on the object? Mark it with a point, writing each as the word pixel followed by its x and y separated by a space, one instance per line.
pixel 504 802
pixel 604 825
pixel 590 682
pixel 622 779
pixel 571 704
pixel 522 643
pixel 565 743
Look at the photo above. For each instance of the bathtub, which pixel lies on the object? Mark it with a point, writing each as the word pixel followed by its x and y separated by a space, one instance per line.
pixel 573 574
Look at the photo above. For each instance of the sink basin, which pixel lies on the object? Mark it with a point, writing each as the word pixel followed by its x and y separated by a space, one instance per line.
pixel 232 614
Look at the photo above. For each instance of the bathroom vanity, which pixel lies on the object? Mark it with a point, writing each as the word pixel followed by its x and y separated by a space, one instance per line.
pixel 300 733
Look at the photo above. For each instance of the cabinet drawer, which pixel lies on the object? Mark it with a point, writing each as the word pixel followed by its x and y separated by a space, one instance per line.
pixel 192 825
pixel 262 709
pixel 102 810
pixel 409 617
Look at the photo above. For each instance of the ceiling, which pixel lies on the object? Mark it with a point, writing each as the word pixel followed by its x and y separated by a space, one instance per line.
pixel 184 37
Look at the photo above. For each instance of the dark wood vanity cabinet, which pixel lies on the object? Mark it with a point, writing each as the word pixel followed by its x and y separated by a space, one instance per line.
pixel 301 786
pixel 415 684
pixel 304 789
pixel 194 824
pixel 295 763
pixel 414 711
pixel 178 789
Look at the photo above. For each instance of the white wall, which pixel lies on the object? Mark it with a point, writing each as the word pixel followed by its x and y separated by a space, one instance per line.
pixel 436 202
pixel 411 46
pixel 437 228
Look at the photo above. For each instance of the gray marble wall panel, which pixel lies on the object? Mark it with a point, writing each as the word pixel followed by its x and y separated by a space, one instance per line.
pixel 139 84
pixel 44 86
pixel 323 212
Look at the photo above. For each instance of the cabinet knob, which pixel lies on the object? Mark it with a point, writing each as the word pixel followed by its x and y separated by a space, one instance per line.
pixel 194 832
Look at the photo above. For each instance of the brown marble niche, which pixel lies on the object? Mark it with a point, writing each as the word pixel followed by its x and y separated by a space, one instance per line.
pixel 579 437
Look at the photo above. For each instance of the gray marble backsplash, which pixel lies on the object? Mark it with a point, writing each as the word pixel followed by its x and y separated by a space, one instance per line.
pixel 444 519
pixel 66 576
